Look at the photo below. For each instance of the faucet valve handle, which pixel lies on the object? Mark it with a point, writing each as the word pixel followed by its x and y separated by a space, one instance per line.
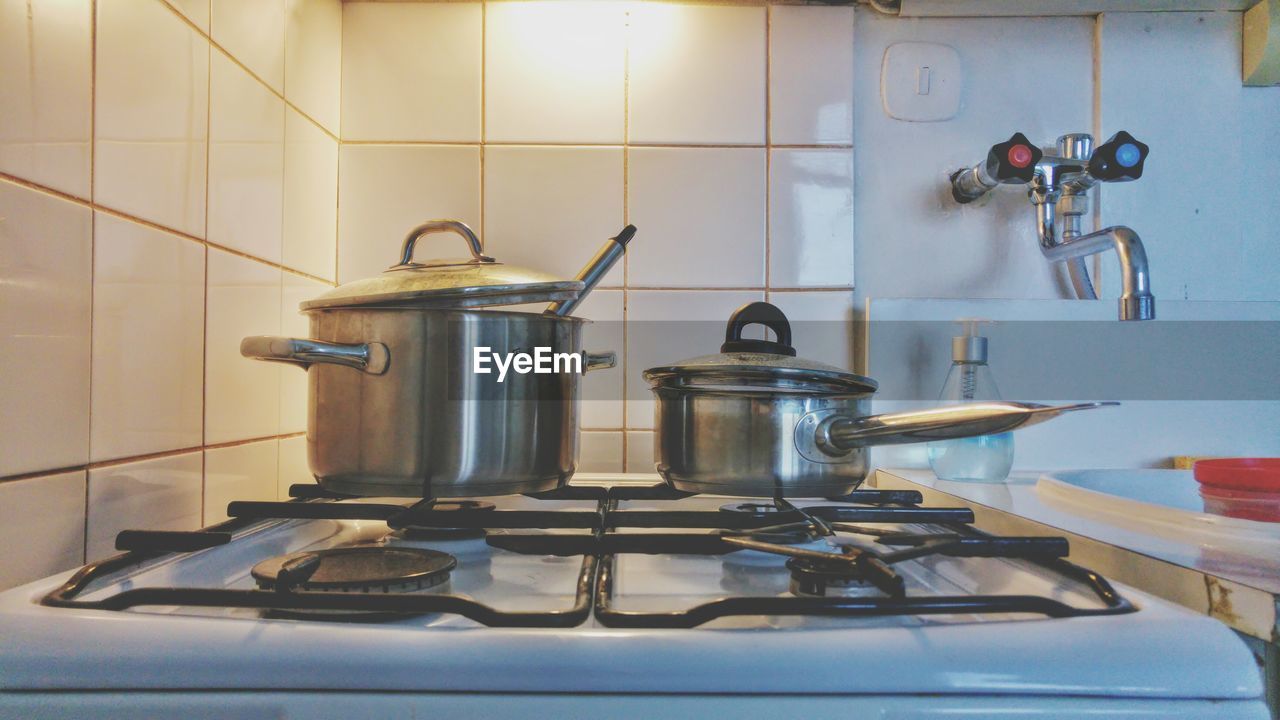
pixel 1119 159
pixel 1014 160
pixel 1010 162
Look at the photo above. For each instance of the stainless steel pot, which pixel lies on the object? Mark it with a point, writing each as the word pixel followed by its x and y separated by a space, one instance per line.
pixel 756 421
pixel 395 405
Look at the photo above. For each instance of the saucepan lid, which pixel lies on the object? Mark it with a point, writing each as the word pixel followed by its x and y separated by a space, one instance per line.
pixel 759 364
pixel 477 281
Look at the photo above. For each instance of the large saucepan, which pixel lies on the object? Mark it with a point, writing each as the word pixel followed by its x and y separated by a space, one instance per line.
pixel 755 420
pixel 396 405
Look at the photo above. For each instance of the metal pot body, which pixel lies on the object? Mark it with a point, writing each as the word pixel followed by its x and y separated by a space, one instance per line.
pixel 754 443
pixel 430 426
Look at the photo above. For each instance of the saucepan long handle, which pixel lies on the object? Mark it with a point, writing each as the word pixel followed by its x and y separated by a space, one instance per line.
pixel 844 433
pixel 372 358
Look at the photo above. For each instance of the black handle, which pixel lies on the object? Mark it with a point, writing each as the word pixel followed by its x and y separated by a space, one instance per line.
pixel 296 571
pixel 625 236
pixel 1119 159
pixel 758 313
pixel 1014 160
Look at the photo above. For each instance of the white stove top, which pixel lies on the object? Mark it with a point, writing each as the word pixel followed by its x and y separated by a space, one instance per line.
pixel 1159 653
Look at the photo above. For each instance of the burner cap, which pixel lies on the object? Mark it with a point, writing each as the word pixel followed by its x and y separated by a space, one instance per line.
pixel 817 578
pixel 417 532
pixel 755 509
pixel 357 569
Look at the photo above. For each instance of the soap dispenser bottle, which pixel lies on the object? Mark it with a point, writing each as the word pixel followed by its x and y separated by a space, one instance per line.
pixel 978 459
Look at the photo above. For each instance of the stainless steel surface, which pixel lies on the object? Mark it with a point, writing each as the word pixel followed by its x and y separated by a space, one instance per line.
pixel 430 426
pixel 396 404
pixel 727 427
pixel 1059 193
pixel 369 357
pixel 1136 301
pixel 475 281
pixel 945 423
pixel 595 270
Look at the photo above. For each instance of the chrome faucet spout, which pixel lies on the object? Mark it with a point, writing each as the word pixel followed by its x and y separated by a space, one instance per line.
pixel 1136 300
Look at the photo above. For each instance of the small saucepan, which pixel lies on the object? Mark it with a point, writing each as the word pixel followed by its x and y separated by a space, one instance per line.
pixel 754 420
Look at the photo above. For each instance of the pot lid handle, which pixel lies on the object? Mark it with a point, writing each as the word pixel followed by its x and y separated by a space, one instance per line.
pixel 437 226
pixel 758 313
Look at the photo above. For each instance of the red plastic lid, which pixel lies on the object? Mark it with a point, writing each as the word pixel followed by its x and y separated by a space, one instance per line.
pixel 1256 474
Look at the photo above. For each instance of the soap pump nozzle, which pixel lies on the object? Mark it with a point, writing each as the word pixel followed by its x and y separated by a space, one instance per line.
pixel 969 347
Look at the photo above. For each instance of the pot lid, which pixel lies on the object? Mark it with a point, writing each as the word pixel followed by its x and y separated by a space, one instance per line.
pixel 758 364
pixel 478 281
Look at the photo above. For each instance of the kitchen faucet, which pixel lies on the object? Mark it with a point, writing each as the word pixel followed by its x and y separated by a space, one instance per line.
pixel 1059 187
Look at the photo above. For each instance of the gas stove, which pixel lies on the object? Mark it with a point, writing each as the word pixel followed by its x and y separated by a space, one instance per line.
pixel 632 596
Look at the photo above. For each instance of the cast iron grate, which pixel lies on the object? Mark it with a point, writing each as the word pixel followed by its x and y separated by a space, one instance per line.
pixel 594 592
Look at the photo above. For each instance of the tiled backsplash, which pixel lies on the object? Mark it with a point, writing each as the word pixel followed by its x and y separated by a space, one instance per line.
pixel 177 174
pixel 724 133
pixel 168 185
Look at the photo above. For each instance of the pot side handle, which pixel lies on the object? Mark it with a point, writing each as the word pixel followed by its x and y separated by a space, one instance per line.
pixel 598 361
pixel 372 358
pixel 838 433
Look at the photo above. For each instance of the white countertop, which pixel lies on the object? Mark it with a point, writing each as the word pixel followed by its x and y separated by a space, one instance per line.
pixel 1241 590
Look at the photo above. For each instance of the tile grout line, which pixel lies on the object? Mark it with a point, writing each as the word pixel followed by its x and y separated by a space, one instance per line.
pixel 626 215
pixel 768 140
pixel 231 56
pixel 625 143
pixel 30 185
pixel 93 249
pixel 128 460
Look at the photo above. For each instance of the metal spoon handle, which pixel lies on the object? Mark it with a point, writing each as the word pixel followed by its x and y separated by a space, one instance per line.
pixel 944 423
pixel 595 270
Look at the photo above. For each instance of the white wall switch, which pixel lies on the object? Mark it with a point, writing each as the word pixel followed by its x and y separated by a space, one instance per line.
pixel 920 82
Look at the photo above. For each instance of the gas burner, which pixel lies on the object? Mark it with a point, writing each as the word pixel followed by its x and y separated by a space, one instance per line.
pixel 357 569
pixel 412 532
pixel 790 534
pixel 838 577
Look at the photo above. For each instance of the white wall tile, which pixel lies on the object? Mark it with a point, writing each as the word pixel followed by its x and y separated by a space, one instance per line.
pixel 43 528
pixel 242 396
pixel 697 74
pixel 640 451
pixel 148 340
pixel 1190 107
pixel 246 162
pixel 913 239
pixel 602 390
pixel 551 208
pixel 151 115
pixel 822 325
pixel 310 198
pixel 385 191
pixel 293 380
pixel 253 32
pixel 45 92
pixel 554 71
pixel 293 466
pixel 810 218
pixel 811 75
pixel 666 326
pixel 45 290
pixel 600 452
pixel 197 11
pixel 239 472
pixel 313 59
pixel 160 494
pixel 700 216
pixel 411 71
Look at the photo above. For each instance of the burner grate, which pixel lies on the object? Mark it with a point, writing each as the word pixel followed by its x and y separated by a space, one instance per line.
pixel 594 592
